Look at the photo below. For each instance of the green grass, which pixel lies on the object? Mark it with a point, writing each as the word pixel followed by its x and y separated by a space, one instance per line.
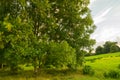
pixel 100 63
pixel 30 76
pixel 103 63
pixel 104 55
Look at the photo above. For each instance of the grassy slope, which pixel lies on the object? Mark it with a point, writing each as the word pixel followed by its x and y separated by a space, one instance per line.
pixel 100 63
pixel 103 63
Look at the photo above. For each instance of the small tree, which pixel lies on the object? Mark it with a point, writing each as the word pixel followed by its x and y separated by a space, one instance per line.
pixel 99 50
pixel 60 55
pixel 114 48
pixel 108 45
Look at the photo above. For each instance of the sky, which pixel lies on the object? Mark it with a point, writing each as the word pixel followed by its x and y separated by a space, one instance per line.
pixel 106 16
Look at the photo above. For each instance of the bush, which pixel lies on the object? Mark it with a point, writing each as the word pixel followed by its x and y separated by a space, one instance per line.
pixel 119 66
pixel 105 74
pixel 112 74
pixel 60 55
pixel 88 70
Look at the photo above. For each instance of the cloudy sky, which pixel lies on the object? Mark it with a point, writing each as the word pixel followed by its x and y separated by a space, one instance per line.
pixel 106 15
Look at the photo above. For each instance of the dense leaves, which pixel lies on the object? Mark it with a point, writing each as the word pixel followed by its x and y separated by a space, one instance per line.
pixel 60 55
pixel 99 50
pixel 45 32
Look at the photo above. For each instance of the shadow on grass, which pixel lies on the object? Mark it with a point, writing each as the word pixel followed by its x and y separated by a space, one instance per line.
pixel 43 73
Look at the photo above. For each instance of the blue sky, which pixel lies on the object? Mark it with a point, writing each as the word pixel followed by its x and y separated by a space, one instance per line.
pixel 106 16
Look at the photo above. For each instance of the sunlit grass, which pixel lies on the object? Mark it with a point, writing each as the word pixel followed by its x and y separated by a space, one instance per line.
pixel 103 63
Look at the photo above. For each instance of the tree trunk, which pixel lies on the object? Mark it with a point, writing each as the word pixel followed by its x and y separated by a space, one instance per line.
pixel 35 65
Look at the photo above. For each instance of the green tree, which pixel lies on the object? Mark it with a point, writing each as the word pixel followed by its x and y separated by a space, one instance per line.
pixel 16 40
pixel 99 50
pixel 15 29
pixel 108 45
pixel 60 55
pixel 63 20
pixel 26 25
pixel 114 48
pixel 90 47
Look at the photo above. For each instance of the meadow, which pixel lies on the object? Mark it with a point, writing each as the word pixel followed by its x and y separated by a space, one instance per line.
pixel 104 63
pixel 99 63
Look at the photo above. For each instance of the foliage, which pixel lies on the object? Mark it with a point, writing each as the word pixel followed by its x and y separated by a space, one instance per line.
pixel 114 48
pixel 112 74
pixel 88 70
pixel 108 47
pixel 99 50
pixel 118 66
pixel 35 31
pixel 15 39
pixel 63 21
pixel 60 55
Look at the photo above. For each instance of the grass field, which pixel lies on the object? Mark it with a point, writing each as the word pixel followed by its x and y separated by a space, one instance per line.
pixel 104 63
pixel 100 63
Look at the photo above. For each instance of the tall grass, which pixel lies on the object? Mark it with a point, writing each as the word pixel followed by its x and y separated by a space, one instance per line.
pixel 100 63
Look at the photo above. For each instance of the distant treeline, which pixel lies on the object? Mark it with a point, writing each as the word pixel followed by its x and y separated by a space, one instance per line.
pixel 108 47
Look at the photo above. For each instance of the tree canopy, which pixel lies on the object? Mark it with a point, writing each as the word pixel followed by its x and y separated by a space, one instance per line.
pixel 40 29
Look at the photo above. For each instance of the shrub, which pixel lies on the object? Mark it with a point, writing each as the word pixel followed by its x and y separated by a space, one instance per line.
pixel 60 55
pixel 88 70
pixel 112 74
pixel 119 66
pixel 105 74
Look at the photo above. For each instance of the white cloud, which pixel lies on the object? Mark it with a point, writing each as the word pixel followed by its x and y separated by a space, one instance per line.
pixel 92 1
pixel 101 16
pixel 106 16
pixel 106 33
